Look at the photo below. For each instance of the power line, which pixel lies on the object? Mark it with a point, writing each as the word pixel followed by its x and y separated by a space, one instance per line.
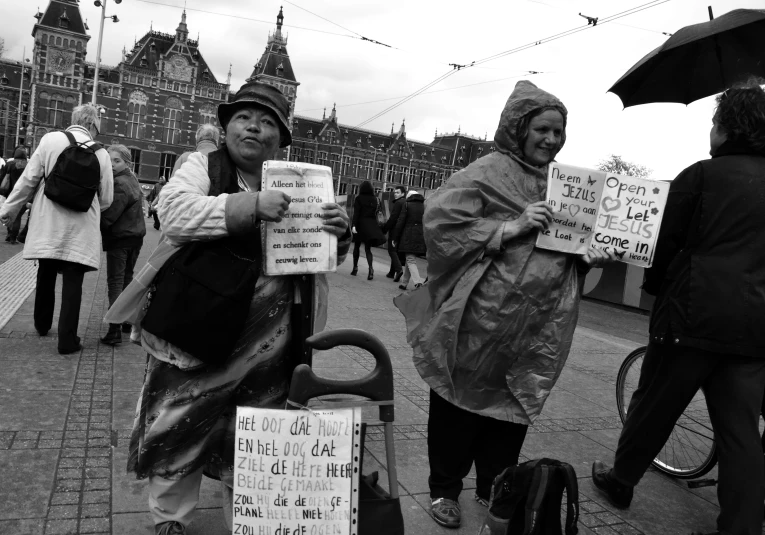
pixel 239 17
pixel 338 25
pixel 617 23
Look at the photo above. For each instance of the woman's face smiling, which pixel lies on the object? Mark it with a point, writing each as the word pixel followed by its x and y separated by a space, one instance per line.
pixel 252 136
pixel 544 138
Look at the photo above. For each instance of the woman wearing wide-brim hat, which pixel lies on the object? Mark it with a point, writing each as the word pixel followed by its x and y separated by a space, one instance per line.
pixel 187 408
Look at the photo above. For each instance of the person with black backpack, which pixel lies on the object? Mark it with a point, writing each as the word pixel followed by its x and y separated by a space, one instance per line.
pixel 70 177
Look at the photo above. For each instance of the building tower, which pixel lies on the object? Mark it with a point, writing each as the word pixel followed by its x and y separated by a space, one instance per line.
pixel 275 68
pixel 59 65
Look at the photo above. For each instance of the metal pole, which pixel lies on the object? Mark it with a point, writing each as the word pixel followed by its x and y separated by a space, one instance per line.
pixel 711 16
pixel 98 52
pixel 21 93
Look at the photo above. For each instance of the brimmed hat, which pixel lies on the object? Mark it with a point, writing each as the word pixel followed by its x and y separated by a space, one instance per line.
pixel 262 95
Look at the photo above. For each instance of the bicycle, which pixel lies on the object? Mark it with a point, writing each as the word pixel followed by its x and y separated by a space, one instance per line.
pixel 690 451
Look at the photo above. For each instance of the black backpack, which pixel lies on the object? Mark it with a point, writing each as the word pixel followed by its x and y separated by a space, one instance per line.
pixel 75 178
pixel 526 500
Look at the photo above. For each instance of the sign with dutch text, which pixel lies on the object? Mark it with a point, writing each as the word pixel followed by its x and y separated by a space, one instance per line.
pixel 296 472
pixel 298 244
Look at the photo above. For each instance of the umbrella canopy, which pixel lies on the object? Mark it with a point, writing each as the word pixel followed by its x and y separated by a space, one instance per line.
pixel 698 61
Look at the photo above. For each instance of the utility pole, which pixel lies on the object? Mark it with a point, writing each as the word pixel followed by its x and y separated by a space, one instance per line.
pixel 102 4
pixel 21 93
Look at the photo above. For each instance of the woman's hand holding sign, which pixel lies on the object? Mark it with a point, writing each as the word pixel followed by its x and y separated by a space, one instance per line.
pixel 335 218
pixel 536 216
pixel 272 205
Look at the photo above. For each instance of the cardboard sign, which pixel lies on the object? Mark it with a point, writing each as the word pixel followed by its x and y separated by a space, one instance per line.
pixel 629 218
pixel 298 244
pixel 574 194
pixel 296 472
pixel 608 211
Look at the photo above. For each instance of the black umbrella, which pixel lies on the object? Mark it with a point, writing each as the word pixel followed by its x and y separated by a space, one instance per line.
pixel 698 61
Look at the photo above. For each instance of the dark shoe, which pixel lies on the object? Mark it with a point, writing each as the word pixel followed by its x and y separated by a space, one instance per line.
pixel 402 286
pixel 7 238
pixel 390 274
pixel 126 328
pixel 21 240
pixel 114 336
pixel 446 512
pixel 40 331
pixel 618 494
pixel 354 270
pixel 482 501
pixel 398 276
pixel 156 227
pixel 371 274
pixel 170 528
pixel 68 351
pixel 13 242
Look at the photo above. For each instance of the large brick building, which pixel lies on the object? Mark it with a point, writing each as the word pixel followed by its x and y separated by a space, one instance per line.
pixel 163 89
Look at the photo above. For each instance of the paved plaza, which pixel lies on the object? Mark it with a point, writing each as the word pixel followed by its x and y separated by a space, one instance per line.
pixel 65 420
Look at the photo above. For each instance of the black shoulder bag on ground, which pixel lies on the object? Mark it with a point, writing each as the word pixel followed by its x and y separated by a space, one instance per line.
pixel 75 178
pixel 526 500
pixel 200 298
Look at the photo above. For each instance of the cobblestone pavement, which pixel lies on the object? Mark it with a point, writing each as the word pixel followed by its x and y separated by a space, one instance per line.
pixel 65 420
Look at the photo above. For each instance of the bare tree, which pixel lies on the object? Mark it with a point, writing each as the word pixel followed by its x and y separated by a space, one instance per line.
pixel 616 164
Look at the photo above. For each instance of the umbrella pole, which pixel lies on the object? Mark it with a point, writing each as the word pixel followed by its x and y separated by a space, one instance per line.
pixel 718 51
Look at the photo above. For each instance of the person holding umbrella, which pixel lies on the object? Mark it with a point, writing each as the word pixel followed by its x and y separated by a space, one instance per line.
pixel 706 326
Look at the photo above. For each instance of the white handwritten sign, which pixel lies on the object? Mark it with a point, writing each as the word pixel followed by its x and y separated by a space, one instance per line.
pixel 573 193
pixel 298 244
pixel 629 218
pixel 296 472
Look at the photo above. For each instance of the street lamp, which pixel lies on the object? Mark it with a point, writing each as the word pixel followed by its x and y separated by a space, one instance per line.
pixel 21 93
pixel 102 5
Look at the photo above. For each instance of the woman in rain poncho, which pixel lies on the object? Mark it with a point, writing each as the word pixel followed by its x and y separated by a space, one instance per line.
pixel 493 328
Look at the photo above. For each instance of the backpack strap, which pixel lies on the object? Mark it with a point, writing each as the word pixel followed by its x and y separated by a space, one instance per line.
pixel 70 137
pixel 572 498
pixel 539 482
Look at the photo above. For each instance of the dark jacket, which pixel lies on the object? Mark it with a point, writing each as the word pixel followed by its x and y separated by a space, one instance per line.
pixel 365 220
pixel 395 211
pixel 408 234
pixel 14 169
pixel 709 267
pixel 122 224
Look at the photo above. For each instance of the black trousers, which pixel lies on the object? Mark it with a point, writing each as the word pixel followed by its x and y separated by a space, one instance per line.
pixel 733 386
pixel 457 438
pixel 395 262
pixel 357 253
pixel 71 296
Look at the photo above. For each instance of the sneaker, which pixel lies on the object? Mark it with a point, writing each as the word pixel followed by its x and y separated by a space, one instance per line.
pixel 482 501
pixel 170 528
pixel 126 328
pixel 446 512
pixel 398 275
pixel 618 494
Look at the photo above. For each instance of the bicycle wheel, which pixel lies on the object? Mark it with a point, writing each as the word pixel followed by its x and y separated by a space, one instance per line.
pixel 690 450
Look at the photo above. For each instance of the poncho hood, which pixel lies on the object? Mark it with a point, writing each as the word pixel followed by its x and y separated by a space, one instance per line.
pixel 525 98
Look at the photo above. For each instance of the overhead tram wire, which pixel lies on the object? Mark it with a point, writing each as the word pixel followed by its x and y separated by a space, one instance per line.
pixel 474 64
pixel 239 17
pixel 409 97
pixel 339 26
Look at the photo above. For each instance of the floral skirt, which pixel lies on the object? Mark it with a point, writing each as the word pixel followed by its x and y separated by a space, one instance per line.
pixel 186 418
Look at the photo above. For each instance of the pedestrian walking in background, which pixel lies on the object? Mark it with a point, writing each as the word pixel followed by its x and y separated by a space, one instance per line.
pixel 61 239
pixel 408 238
pixel 12 171
pixel 215 199
pixel 396 270
pixel 122 232
pixel 366 229
pixel 207 138
pixel 492 329
pixel 154 198
pixel 706 327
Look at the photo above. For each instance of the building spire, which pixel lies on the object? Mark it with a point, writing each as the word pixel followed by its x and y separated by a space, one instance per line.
pixel 182 31
pixel 279 22
pixel 228 80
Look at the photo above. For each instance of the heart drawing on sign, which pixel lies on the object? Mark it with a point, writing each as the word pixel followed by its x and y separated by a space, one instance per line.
pixel 573 209
pixel 610 204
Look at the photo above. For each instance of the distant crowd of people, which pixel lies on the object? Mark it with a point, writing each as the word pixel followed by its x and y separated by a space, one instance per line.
pixel 491 322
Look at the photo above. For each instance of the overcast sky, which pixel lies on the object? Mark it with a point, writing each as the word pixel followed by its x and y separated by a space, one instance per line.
pixel 427 35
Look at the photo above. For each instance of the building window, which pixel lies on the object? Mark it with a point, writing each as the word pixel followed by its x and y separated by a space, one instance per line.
pixel 343 188
pixel 295 154
pixel 308 156
pixel 172 123
pixel 166 164
pixel 54 109
pixel 392 170
pixel 322 158
pixel 331 134
pixel 136 115
pixel 367 169
pixel 355 189
pixel 335 163
pixel 135 155
pixel 207 114
pixel 346 165
pixel 379 171
pixel 356 166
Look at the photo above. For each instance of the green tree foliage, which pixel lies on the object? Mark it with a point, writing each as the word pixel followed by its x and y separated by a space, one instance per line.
pixel 616 164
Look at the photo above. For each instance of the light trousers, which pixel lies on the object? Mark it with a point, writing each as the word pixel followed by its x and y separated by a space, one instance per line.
pixel 176 500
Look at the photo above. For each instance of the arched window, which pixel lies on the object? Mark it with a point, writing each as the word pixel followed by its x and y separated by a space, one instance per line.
pixel 51 40
pixel 79 45
pixel 66 43
pixel 58 41
pixel 173 117
pixel 136 114
pixel 207 114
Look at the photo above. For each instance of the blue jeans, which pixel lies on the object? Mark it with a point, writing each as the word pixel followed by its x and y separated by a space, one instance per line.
pixel 119 270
